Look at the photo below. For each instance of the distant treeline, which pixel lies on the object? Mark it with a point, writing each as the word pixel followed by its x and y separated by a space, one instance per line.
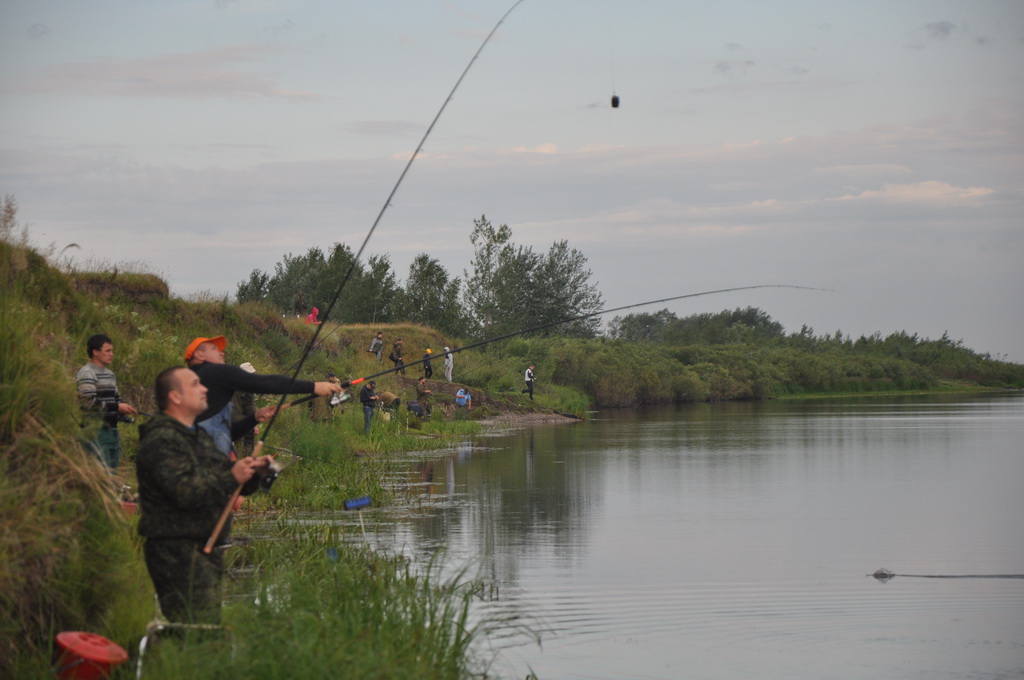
pixel 657 357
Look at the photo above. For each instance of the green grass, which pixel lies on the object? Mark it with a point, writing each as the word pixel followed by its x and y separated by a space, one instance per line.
pixel 305 612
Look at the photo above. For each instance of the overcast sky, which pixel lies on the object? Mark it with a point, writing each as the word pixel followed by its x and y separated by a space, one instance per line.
pixel 870 148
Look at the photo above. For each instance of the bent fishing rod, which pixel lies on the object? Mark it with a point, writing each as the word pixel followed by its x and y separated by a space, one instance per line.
pixel 348 274
pixel 551 324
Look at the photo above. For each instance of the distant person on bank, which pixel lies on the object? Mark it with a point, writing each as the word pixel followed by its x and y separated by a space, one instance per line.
pixel 377 345
pixel 530 380
pixel 397 355
pixel 100 400
pixel 423 396
pixel 428 369
pixel 369 401
pixel 449 364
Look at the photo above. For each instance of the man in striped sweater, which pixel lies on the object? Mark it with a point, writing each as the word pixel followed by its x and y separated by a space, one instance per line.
pixel 100 400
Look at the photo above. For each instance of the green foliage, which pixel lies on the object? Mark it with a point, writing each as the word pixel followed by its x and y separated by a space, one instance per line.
pixel 431 299
pixel 63 537
pixel 512 288
pixel 318 605
pixel 301 282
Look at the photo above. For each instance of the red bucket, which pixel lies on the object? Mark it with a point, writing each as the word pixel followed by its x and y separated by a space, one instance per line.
pixel 86 656
pixel 129 507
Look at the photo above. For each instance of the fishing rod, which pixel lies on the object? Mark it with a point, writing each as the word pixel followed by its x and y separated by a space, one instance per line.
pixel 348 274
pixel 550 324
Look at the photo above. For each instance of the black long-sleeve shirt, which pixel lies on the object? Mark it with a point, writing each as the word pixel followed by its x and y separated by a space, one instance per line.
pixel 223 380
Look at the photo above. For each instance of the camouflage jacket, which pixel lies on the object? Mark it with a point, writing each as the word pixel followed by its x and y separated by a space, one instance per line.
pixel 184 481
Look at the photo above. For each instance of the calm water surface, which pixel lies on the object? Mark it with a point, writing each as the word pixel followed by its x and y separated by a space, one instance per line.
pixel 735 540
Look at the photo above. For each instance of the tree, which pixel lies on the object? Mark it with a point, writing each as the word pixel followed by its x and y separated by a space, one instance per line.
pixel 565 291
pixel 641 328
pixel 432 299
pixel 301 282
pixel 256 288
pixel 481 288
pixel 374 296
pixel 724 328
pixel 513 288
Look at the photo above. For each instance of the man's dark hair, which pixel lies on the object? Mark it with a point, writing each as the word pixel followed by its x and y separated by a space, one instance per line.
pixel 167 382
pixel 95 343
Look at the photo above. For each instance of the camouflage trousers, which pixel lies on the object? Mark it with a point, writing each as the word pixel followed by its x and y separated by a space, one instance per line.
pixel 187 581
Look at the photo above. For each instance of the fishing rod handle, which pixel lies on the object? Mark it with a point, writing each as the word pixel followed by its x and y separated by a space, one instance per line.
pixel 208 548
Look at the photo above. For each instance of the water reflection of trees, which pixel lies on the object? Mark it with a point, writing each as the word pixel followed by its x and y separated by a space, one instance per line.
pixel 533 494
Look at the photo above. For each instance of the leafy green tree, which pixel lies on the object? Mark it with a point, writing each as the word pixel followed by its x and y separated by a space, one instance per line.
pixel 256 288
pixel 641 328
pixel 432 299
pixel 301 282
pixel 512 287
pixel 374 295
pixel 725 327
pixel 482 286
pixel 563 291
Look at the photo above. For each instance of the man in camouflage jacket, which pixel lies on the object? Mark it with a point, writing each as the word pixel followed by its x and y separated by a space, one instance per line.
pixel 184 484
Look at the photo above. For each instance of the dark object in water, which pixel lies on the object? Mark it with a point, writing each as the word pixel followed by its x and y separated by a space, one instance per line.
pixel 615 101
pixel 884 575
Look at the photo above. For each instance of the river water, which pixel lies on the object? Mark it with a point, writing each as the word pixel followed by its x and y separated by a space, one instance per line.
pixel 736 540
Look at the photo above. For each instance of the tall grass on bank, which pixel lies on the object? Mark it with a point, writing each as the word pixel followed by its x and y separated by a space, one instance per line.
pixel 315 606
pixel 67 557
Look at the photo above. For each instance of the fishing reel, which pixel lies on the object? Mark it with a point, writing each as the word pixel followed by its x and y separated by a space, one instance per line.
pixel 268 477
pixel 339 398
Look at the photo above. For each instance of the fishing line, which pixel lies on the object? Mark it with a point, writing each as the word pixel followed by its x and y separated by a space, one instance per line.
pixel 348 274
pixel 611 62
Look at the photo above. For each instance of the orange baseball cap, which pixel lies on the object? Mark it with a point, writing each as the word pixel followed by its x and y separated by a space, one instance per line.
pixel 220 341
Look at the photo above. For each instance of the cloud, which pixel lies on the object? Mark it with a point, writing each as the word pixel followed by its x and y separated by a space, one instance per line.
pixel 194 75
pixel 864 170
pixel 283 27
pixel 939 29
pixel 385 128
pixel 38 32
pixel 767 86
pixel 548 148
pixel 921 192
pixel 930 32
pixel 728 67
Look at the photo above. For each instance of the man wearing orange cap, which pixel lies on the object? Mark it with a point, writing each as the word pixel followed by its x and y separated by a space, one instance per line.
pixel 205 356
